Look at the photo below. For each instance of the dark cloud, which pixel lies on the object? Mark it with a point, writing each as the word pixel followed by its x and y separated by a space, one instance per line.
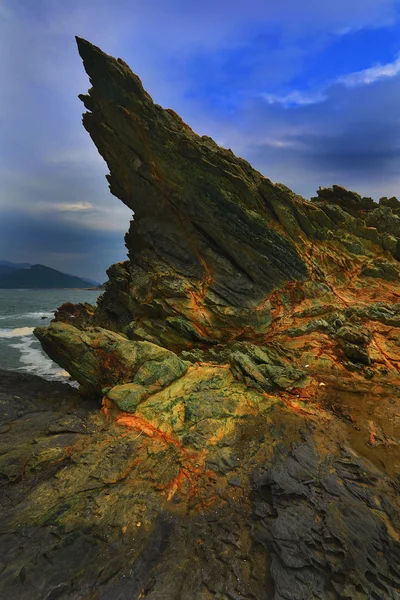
pixel 72 249
pixel 351 138
pixel 370 152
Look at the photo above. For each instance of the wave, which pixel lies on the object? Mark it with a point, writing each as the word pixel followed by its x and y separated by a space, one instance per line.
pixel 18 332
pixel 32 358
pixel 34 361
pixel 29 315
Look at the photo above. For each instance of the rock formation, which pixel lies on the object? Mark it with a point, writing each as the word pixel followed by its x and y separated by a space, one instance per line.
pixel 246 357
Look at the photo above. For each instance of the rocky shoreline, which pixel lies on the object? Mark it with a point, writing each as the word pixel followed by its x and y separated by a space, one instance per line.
pixel 236 432
pixel 96 504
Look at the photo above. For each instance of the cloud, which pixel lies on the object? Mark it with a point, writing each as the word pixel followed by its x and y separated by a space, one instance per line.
pixel 371 75
pixel 359 78
pixel 295 98
pixel 57 244
pixel 351 139
pixel 77 207
pixel 79 197
pixel 78 154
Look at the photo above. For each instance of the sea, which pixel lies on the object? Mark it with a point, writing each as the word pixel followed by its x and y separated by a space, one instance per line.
pixel 20 312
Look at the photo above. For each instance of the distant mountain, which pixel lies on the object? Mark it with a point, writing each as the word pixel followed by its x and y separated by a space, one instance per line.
pixel 6 269
pixel 7 263
pixel 38 276
pixel 90 281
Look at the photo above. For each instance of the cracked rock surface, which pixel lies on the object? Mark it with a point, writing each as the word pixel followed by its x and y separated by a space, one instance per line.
pixel 236 431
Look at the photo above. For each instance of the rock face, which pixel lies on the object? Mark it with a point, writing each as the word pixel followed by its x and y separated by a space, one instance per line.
pixel 246 358
pixel 99 359
pixel 205 246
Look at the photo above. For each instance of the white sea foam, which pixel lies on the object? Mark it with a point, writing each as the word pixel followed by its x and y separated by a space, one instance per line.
pixel 34 361
pixel 18 332
pixel 32 357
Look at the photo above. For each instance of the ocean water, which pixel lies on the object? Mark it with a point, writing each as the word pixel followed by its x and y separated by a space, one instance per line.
pixel 20 312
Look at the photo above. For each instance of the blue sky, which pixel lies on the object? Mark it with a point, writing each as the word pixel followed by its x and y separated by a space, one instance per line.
pixel 307 91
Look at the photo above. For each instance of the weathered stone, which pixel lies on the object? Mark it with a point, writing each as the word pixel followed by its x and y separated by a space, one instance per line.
pixel 325 542
pixel 228 262
pixel 99 358
pixel 195 276
pixel 348 200
pixel 127 396
pixel 77 315
pixel 385 220
pixel 382 270
pixel 353 341
pixel 266 467
pixel 354 334
pixel 391 202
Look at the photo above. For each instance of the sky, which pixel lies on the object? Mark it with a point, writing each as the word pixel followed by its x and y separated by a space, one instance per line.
pixel 307 91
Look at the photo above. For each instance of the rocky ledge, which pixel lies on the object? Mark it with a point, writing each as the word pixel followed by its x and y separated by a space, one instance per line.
pixel 236 434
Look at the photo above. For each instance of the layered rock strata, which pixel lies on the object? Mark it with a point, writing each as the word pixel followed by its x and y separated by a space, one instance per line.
pixel 246 358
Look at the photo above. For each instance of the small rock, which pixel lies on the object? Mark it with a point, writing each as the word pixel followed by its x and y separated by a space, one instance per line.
pixel 368 373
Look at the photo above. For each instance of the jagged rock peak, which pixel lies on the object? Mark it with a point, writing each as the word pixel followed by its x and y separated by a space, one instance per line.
pixel 203 217
pixel 213 242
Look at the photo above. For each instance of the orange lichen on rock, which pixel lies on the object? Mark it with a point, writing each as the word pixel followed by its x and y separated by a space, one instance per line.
pixel 192 472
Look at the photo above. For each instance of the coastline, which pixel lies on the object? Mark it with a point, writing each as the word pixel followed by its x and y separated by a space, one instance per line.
pixel 21 311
